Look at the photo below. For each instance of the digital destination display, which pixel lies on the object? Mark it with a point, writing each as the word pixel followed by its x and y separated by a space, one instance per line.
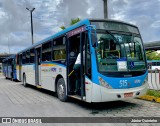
pixel 115 26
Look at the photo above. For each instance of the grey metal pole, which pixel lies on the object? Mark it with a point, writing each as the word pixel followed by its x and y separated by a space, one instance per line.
pixel 8 46
pixel 32 28
pixel 31 24
pixel 105 3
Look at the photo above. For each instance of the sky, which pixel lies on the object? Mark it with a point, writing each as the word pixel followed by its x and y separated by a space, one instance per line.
pixel 49 15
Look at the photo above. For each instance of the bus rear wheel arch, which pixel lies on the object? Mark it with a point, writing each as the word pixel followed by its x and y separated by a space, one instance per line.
pixel 61 90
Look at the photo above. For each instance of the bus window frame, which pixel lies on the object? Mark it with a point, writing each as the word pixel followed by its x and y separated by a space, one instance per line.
pixel 34 56
pixel 47 42
pixel 23 60
pixel 65 47
pixel 28 51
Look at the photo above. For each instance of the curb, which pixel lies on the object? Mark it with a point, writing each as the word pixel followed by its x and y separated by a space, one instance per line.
pixel 150 98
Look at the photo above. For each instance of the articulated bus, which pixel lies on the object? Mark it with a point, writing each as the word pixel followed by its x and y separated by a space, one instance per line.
pixel 115 66
pixel 9 67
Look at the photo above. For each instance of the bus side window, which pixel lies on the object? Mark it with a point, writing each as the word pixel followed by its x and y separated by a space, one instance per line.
pixel 32 55
pixel 28 56
pixel 46 51
pixel 59 49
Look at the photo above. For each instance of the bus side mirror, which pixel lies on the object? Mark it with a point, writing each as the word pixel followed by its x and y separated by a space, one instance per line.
pixel 94 39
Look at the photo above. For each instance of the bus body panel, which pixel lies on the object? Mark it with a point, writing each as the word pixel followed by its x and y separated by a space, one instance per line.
pixel 102 94
pixel 49 72
pixel 30 74
pixel 96 93
pixel 18 69
pixel 112 94
pixel 17 72
pixel 24 71
pixel 88 89
pixel 124 82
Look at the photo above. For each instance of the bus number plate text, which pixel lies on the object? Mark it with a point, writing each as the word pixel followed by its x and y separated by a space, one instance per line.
pixel 128 94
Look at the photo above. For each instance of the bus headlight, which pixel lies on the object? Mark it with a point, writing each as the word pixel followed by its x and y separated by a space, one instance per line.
pixel 103 83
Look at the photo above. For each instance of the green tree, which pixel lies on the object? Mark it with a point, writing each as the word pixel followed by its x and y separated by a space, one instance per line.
pixel 153 55
pixel 73 21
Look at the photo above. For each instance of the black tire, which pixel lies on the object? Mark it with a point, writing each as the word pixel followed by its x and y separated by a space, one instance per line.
pixel 61 90
pixel 24 81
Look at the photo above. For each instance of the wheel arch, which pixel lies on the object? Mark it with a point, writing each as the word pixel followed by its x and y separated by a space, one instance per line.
pixel 56 80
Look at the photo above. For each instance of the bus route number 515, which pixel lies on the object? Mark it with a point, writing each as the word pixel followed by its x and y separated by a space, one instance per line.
pixel 123 83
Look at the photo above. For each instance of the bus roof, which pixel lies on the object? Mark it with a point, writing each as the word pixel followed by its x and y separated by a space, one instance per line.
pixel 80 23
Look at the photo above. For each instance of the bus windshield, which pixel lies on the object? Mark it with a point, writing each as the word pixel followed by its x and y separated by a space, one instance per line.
pixel 117 52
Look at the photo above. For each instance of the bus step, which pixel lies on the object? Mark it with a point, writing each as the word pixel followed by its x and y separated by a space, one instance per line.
pixel 38 86
pixel 75 96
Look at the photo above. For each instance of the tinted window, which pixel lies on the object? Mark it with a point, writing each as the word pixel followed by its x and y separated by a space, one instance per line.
pixel 46 51
pixel 32 55
pixel 59 49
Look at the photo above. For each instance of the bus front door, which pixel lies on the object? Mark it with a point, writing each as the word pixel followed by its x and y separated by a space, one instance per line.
pixel 37 66
pixel 76 82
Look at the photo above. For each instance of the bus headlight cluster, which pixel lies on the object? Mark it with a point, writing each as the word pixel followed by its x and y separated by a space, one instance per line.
pixel 104 83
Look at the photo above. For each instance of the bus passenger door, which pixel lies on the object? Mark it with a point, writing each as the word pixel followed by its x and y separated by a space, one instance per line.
pixel 38 66
pixel 76 82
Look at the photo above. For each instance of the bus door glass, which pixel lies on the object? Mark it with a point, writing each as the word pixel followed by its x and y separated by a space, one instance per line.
pixel 76 46
pixel 38 65
pixel 85 61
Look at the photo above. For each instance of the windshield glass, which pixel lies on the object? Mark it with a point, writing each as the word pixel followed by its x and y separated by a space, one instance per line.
pixel 119 52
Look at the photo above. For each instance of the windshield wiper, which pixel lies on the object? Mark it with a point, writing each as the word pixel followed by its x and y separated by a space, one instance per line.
pixel 112 36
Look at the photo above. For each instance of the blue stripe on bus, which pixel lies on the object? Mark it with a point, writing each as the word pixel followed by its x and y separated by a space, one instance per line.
pixel 54 62
pixel 50 62
pixel 131 81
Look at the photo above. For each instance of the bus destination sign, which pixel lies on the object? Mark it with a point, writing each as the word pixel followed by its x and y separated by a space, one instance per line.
pixel 76 31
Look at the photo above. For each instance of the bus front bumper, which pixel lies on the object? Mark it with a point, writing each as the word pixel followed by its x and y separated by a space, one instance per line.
pixel 117 94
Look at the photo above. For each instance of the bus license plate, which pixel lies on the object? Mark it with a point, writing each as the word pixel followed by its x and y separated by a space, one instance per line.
pixel 128 94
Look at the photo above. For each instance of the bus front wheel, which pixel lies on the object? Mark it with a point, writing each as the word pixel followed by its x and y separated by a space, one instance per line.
pixel 24 81
pixel 61 90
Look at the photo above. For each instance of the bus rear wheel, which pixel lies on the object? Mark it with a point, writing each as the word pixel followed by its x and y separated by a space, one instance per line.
pixel 24 81
pixel 61 90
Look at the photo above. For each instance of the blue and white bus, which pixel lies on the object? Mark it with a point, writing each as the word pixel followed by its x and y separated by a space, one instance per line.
pixel 115 65
pixel 9 67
